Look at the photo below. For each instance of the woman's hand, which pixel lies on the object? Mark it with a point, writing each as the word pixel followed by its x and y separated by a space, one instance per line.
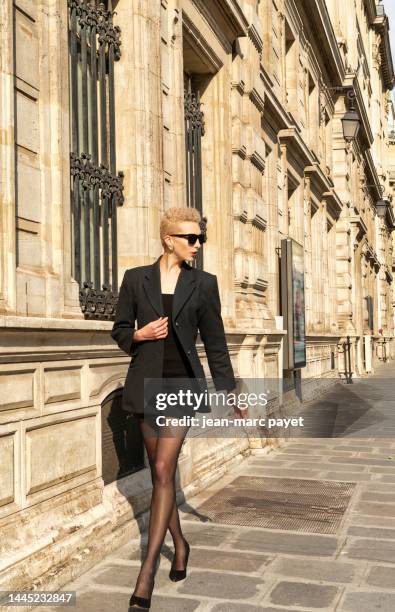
pixel 155 330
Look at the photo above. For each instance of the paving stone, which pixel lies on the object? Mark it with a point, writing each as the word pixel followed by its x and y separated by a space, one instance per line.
pixel 324 452
pixel 384 444
pixel 299 449
pixel 376 509
pixel 336 453
pixel 233 607
pixel 371 532
pixel 387 478
pixel 100 601
pixel 198 534
pixel 385 471
pixel 302 457
pixel 366 519
pixel 381 576
pixel 326 465
pixel 222 585
pixel 267 461
pixel 372 550
pixel 105 601
pixel 175 604
pixel 125 576
pixel 303 594
pixel 376 496
pixel 328 571
pixel 361 461
pixel 376 486
pixel 352 447
pixel 136 551
pixel 383 453
pixel 207 536
pixel 306 444
pixel 362 601
pixel 226 560
pixel 288 472
pixel 288 543
pixel 347 476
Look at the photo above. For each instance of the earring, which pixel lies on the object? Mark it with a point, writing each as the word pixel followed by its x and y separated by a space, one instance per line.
pixel 170 248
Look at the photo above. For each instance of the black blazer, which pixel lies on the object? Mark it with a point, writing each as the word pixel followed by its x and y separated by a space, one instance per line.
pixel 196 307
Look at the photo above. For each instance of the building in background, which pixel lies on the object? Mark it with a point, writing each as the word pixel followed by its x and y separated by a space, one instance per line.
pixel 237 107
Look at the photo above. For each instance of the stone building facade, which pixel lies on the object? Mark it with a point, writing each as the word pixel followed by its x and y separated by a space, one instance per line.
pixel 234 106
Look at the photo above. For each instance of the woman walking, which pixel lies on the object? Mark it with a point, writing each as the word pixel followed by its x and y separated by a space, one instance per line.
pixel 171 301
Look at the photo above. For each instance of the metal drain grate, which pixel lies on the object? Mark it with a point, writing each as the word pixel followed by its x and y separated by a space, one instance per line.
pixel 315 506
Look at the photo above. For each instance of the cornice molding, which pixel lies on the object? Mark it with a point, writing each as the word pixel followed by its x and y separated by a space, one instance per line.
pixel 381 25
pixel 333 203
pixel 372 173
pixel 235 15
pixel 225 17
pixel 254 29
pixel 200 45
pixel 389 216
pixel 318 178
pixel 291 137
pixel 257 98
pixel 292 14
pixel 258 161
pixel 360 224
pixel 259 222
pixel 272 105
pixel 316 16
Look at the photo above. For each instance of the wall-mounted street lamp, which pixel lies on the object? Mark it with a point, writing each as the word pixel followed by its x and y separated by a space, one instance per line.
pixel 351 121
pixel 381 208
pixel 385 211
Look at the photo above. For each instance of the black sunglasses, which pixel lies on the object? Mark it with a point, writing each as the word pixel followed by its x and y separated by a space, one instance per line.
pixel 192 238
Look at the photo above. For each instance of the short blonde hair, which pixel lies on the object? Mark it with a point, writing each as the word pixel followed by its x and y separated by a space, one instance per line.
pixel 177 215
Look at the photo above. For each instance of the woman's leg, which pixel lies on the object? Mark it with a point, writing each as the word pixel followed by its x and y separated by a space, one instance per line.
pixel 150 443
pixel 168 447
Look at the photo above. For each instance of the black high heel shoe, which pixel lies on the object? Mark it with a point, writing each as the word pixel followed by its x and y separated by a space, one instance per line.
pixel 140 603
pixel 175 575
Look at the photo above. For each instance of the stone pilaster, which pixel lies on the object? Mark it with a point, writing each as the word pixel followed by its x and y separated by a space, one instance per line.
pixel 139 132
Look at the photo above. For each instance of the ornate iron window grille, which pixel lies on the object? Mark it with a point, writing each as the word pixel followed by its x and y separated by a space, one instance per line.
pixel 194 130
pixel 96 187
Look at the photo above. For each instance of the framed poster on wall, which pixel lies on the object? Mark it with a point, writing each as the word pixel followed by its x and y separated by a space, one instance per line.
pixel 293 303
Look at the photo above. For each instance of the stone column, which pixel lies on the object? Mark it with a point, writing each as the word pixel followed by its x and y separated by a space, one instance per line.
pixel 308 277
pixel 325 270
pixel 139 132
pixel 7 166
pixel 172 98
pixel 344 249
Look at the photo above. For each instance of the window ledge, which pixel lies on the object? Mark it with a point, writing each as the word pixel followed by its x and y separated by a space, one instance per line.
pixel 17 322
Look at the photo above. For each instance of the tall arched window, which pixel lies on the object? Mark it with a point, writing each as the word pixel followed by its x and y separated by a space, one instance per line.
pixel 194 130
pixel 96 187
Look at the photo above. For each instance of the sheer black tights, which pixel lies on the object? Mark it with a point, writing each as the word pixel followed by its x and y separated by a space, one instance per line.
pixel 163 450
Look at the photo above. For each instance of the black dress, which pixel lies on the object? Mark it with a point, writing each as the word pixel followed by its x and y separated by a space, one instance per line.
pixel 175 362
pixel 175 366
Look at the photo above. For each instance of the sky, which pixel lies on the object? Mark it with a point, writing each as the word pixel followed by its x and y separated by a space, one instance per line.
pixel 390 10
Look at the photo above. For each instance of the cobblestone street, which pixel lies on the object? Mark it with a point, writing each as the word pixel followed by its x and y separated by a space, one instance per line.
pixel 343 564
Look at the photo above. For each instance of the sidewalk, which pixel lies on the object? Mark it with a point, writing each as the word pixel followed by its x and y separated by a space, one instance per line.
pixel 310 526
